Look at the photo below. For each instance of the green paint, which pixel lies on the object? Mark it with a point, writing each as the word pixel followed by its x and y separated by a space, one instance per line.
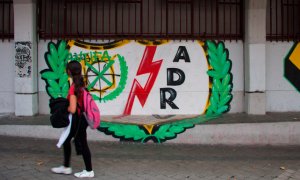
pixel 89 57
pixel 121 86
pixel 56 77
pixel 100 74
pixel 161 133
pixel 95 57
pixel 222 81
pixel 126 131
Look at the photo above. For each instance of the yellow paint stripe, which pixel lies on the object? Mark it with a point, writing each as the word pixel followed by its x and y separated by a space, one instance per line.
pixel 295 56
pixel 71 43
pixel 95 46
pixel 149 128
pixel 202 44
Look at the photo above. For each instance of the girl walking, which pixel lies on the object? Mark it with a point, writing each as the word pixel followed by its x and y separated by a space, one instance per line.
pixel 78 125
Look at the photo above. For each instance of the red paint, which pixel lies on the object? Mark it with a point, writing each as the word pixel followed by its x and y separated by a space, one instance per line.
pixel 146 66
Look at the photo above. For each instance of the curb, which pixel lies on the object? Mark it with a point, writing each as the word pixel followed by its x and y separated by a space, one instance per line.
pixel 275 133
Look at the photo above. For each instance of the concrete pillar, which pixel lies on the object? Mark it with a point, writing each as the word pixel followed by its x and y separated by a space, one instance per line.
pixel 26 97
pixel 255 56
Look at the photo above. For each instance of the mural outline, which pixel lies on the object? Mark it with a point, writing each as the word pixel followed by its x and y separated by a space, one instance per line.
pixel 218 103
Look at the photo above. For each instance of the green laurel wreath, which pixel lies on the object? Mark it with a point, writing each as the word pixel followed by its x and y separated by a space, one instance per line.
pixel 56 77
pixel 170 131
pixel 138 132
pixel 161 133
pixel 123 131
pixel 222 78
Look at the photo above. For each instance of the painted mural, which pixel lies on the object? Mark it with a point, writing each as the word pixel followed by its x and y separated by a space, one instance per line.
pixel 292 66
pixel 151 90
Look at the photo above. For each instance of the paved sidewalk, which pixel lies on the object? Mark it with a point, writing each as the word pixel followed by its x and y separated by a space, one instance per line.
pixel 31 158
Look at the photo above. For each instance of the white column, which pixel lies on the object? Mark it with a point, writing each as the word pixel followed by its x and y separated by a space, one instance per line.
pixel 255 56
pixel 26 97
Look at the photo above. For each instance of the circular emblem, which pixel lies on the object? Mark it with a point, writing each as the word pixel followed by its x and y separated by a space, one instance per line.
pixel 106 77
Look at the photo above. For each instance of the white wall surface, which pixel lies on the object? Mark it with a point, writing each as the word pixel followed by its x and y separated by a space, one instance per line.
pixel 43 96
pixel 281 94
pixel 235 55
pixel 7 75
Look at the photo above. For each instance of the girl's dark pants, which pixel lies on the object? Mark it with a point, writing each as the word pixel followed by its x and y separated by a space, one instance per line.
pixel 78 130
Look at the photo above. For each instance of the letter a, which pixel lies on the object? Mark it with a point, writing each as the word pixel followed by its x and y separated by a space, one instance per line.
pixel 182 54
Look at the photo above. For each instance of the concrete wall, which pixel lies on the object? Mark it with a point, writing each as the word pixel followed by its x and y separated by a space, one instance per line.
pixel 255 56
pixel 43 96
pixel 236 55
pixel 281 95
pixel 7 75
pixel 25 37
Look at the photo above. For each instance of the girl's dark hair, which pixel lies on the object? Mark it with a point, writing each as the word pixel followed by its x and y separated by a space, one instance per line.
pixel 74 68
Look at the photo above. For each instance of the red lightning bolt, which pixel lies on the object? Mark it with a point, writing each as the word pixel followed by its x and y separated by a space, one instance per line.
pixel 146 66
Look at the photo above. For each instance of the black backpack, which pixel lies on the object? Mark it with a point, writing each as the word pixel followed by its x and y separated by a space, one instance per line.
pixel 59 117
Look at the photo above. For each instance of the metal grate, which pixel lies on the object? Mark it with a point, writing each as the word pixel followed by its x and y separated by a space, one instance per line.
pixel 283 22
pixel 6 20
pixel 141 19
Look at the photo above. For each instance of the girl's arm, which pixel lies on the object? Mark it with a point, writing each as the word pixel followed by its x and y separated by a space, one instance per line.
pixel 73 104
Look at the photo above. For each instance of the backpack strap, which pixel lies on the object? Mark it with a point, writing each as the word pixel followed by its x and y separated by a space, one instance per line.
pixel 81 108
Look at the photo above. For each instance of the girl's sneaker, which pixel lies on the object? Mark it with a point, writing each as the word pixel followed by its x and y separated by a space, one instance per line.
pixel 62 170
pixel 84 174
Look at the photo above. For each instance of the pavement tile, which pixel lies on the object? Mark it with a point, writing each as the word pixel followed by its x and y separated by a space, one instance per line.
pixel 29 158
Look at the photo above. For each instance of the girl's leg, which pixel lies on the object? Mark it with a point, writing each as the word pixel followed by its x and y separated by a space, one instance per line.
pixel 67 152
pixel 67 143
pixel 86 154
